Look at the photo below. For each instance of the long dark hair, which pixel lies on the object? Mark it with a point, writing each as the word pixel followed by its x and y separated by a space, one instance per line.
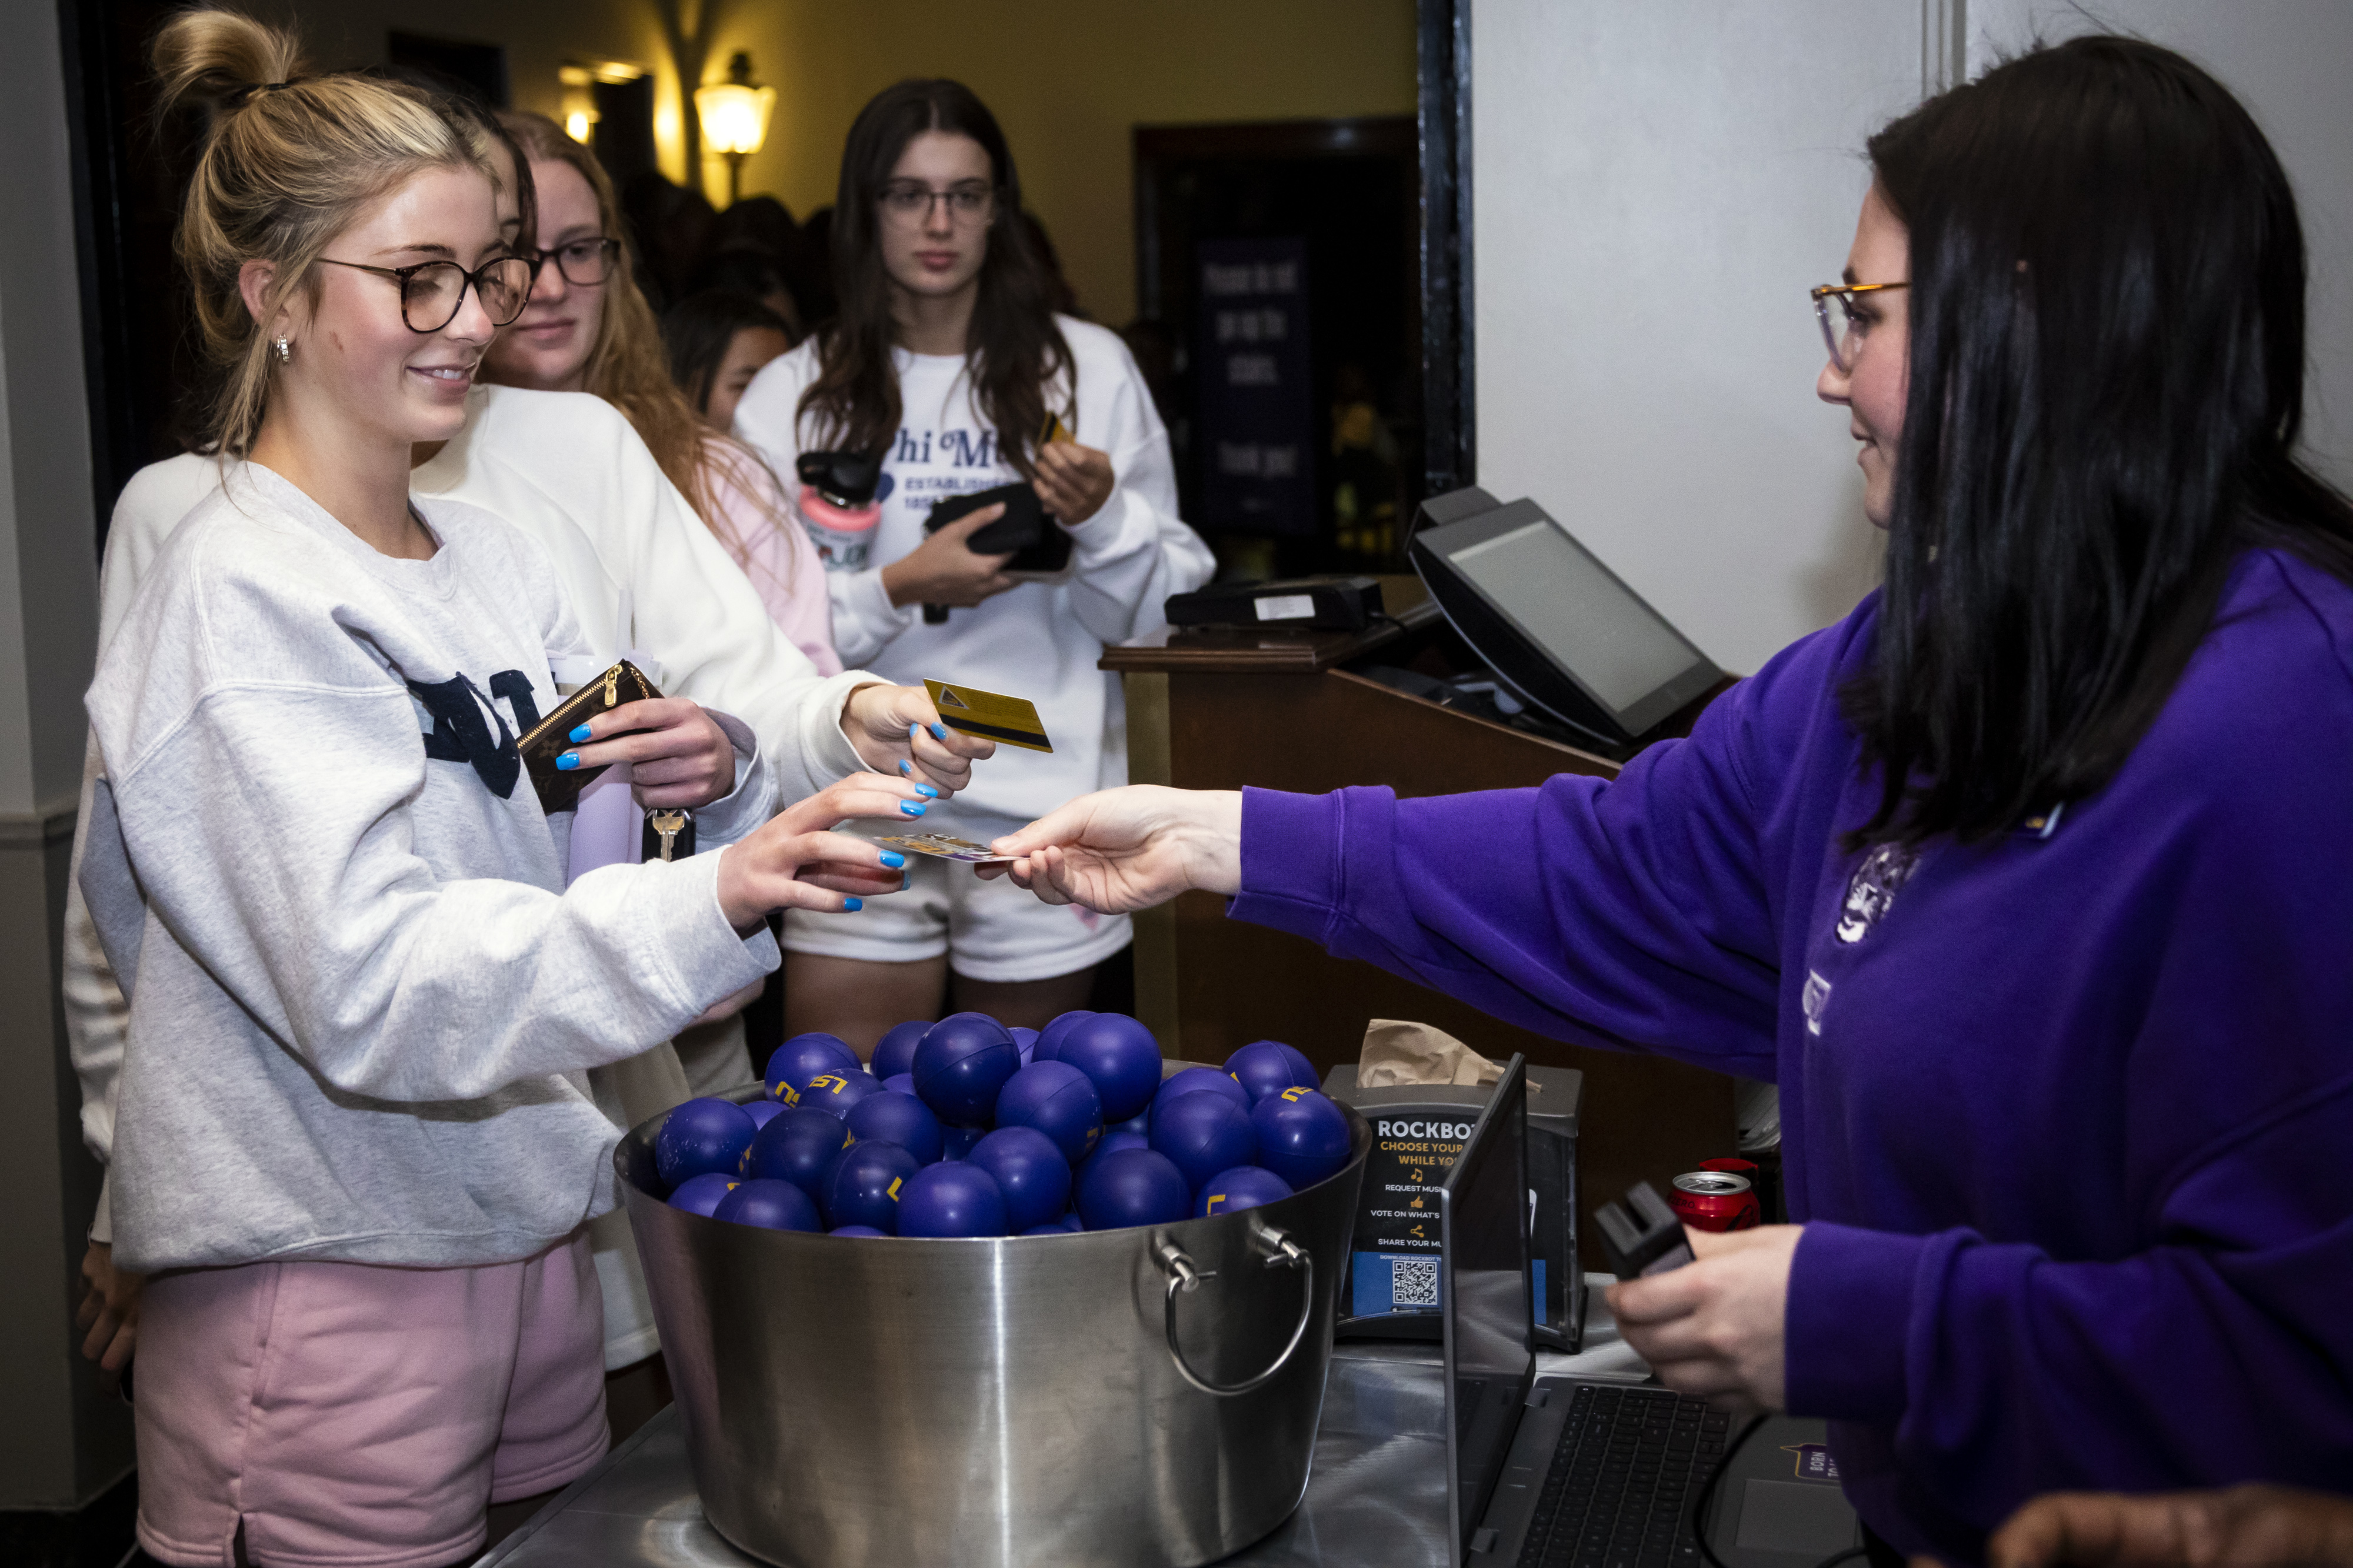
pixel 2106 383
pixel 1016 350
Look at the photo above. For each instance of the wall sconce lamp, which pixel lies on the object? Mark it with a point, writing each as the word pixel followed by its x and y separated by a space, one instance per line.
pixel 734 115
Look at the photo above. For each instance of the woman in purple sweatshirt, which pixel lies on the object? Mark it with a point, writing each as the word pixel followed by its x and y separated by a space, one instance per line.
pixel 2031 883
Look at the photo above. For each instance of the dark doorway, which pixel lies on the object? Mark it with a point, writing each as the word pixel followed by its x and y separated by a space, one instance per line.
pixel 624 137
pixel 1344 194
pixel 477 71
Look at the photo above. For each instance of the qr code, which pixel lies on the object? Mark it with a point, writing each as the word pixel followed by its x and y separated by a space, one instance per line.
pixel 1413 1282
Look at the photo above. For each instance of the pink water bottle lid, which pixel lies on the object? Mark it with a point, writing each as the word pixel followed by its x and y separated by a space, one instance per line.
pixel 841 520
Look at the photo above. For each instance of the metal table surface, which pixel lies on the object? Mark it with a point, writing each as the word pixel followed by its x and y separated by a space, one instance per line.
pixel 1376 1496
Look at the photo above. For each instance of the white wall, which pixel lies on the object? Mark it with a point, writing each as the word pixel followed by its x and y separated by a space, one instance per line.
pixel 2291 63
pixel 1655 186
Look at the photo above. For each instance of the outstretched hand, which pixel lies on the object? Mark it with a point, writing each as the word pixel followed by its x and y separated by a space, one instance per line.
pixel 2245 1527
pixel 1124 849
pixel 796 861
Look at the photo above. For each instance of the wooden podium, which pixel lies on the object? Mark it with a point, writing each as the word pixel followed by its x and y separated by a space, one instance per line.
pixel 1285 710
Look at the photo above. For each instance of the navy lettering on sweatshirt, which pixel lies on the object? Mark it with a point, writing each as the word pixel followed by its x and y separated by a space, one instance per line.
pixel 461 735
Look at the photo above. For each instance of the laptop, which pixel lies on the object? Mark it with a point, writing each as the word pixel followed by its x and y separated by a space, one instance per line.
pixel 1549 1472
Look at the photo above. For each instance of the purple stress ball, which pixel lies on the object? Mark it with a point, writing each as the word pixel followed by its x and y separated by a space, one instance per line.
pixel 1140 1124
pixel 1243 1187
pixel 1030 1173
pixel 838 1093
pixel 900 1119
pixel 771 1205
pixel 856 1230
pixel 1050 1037
pixel 1200 1080
pixel 865 1184
pixel 1055 1228
pixel 798 1145
pixel 1120 1055
pixel 894 1053
pixel 900 1083
pixel 1203 1134
pixel 963 1061
pixel 1072 1222
pixel 762 1111
pixel 1303 1137
pixel 1120 1140
pixel 801 1059
pixel 1266 1066
pixel 956 1142
pixel 1059 1100
pixel 701 1194
pixel 1026 1039
pixel 961 1199
pixel 1133 1186
pixel 702 1136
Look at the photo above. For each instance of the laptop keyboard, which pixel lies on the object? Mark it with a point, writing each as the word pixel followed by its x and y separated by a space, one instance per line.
pixel 1619 1491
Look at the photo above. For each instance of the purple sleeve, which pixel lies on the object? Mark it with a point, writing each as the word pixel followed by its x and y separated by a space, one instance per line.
pixel 1639 913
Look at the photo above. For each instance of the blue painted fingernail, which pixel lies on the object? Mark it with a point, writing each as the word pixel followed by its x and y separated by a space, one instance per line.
pixel 580 733
pixel 905 766
pixel 911 807
pixel 927 792
pixel 567 762
pixel 914 731
pixel 892 860
pixel 851 906
pixel 907 882
pixel 939 733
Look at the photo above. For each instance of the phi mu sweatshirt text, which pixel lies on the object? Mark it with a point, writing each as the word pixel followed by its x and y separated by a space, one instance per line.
pixel 360 996
pixel 2066 1114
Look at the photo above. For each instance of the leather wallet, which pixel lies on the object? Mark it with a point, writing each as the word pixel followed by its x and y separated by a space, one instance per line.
pixel 559 789
pixel 1036 543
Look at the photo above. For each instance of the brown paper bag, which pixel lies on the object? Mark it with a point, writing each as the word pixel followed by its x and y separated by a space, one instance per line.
pixel 1396 1053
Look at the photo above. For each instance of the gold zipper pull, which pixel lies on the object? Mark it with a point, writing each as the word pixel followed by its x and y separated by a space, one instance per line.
pixel 613 686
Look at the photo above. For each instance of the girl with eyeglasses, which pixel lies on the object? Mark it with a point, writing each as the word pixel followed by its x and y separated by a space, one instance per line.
pixel 589 328
pixel 2028 883
pixel 946 361
pixel 352 1145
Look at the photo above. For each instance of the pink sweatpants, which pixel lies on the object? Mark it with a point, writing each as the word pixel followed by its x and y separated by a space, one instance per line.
pixel 352 1416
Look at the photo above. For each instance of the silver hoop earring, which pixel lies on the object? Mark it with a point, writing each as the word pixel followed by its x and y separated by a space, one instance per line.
pixel 285 352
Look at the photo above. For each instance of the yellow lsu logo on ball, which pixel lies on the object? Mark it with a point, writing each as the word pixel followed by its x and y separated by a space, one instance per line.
pixel 830 1082
pixel 1293 1094
pixel 788 1094
pixel 1215 1199
pixel 894 1188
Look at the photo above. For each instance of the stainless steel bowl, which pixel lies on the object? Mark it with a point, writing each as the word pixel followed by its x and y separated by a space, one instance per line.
pixel 1146 1396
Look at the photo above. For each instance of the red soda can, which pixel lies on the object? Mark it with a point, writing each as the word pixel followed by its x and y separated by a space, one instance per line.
pixel 1737 1167
pixel 1715 1200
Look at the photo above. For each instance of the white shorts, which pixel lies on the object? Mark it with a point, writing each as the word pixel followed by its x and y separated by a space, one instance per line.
pixel 990 931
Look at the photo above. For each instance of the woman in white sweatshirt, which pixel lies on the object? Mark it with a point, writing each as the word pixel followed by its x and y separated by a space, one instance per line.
pixel 945 360
pixel 353 1148
pixel 640 573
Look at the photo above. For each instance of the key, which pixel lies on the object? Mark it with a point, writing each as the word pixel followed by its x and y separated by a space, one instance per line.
pixel 668 823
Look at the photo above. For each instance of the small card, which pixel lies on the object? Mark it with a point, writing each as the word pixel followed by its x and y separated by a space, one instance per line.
pixel 948 847
pixel 1054 430
pixel 1011 719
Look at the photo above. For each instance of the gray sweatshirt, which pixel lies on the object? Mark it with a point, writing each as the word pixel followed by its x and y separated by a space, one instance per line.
pixel 361 997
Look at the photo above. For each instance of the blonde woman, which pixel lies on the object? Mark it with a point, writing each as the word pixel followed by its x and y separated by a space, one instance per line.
pixel 353 1149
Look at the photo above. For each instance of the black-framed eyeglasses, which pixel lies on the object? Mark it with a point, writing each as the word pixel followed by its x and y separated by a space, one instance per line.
pixel 1844 339
pixel 908 203
pixel 584 263
pixel 431 292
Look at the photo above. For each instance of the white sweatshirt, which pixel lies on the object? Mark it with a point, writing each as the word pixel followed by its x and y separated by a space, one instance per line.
pixel 1040 641
pixel 360 995
pixel 568 470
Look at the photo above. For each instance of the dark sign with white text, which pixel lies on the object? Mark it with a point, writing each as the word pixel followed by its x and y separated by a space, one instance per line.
pixel 1256 430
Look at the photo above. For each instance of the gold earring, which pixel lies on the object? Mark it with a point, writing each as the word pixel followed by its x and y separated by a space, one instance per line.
pixel 285 352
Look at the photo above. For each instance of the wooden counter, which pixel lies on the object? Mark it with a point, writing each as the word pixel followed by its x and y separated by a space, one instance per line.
pixel 1283 710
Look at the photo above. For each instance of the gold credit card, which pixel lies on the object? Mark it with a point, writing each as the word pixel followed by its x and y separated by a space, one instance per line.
pixel 1012 721
pixel 1054 430
pixel 948 847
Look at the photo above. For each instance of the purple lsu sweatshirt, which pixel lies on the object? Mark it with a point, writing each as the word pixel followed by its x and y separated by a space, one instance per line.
pixel 2067 1116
